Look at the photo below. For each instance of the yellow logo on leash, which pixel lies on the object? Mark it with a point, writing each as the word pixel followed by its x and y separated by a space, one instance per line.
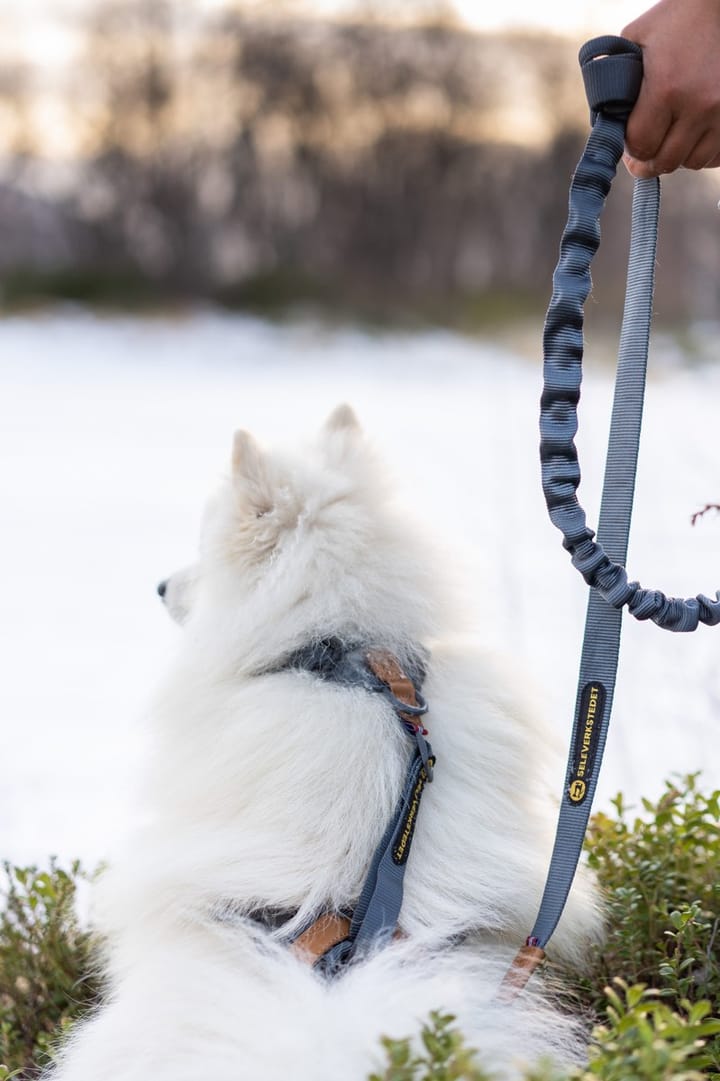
pixel 585 740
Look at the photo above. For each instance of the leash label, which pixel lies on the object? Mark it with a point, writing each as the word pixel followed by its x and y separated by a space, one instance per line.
pixel 401 849
pixel 587 734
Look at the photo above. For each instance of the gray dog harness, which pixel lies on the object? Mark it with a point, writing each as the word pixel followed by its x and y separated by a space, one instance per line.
pixel 334 939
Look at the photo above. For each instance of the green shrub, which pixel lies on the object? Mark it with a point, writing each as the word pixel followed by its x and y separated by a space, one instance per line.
pixel 643 1039
pixel 659 873
pixel 444 1057
pixel 46 970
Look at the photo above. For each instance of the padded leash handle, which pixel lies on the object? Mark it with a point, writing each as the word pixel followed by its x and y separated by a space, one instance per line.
pixel 611 86
pixel 612 71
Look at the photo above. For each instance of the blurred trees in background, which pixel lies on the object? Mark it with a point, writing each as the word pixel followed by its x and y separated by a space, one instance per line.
pixel 257 159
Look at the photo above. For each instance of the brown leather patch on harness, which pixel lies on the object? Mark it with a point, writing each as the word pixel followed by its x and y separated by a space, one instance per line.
pixel 320 936
pixel 387 668
pixel 524 964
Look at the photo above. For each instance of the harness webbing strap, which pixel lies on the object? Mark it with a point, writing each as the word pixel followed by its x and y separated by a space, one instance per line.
pixel 375 919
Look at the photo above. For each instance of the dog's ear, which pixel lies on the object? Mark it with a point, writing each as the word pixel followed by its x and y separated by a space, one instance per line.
pixel 343 419
pixel 250 473
pixel 341 437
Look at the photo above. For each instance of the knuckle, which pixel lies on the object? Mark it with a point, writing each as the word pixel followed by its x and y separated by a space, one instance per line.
pixel 706 104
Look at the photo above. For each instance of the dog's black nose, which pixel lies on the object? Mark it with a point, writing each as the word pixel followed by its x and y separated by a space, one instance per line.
pixel 162 588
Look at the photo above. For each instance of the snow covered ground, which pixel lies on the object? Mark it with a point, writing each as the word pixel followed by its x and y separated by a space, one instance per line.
pixel 113 430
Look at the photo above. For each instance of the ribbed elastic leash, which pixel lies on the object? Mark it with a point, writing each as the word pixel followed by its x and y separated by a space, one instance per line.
pixel 612 70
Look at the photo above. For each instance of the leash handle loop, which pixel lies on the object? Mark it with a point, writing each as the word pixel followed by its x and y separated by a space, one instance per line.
pixel 612 70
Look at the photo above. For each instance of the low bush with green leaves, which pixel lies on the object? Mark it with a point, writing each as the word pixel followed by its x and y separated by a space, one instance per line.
pixel 655 983
pixel 659 873
pixel 46 964
pixel 643 1039
pixel 652 987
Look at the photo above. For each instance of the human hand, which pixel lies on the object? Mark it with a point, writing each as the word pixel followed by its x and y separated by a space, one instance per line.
pixel 676 120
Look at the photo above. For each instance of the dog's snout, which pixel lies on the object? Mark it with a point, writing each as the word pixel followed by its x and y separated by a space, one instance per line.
pixel 175 592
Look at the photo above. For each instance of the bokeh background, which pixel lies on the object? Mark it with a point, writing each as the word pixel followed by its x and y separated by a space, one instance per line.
pixel 219 214
pixel 399 159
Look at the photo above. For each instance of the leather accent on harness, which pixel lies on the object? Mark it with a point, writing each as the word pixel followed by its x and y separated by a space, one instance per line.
pixel 327 931
pixel 387 668
pixel 517 976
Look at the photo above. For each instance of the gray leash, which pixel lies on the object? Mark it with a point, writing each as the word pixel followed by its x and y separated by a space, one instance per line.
pixel 612 70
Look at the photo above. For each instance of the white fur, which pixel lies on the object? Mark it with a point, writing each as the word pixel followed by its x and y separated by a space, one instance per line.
pixel 273 790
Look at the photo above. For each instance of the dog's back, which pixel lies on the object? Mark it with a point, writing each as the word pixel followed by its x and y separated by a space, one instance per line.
pixel 270 789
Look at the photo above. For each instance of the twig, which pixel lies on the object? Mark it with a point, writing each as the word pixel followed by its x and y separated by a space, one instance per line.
pixel 699 513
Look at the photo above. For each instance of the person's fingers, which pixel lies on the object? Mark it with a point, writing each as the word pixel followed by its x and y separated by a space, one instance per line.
pixel 639 169
pixel 648 123
pixel 675 150
pixel 705 151
pixel 677 146
pixel 698 159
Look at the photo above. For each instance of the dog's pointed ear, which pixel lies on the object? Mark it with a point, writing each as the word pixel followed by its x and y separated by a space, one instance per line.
pixel 250 472
pixel 341 438
pixel 343 419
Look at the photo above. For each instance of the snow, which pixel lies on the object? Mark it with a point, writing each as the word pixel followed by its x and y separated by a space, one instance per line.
pixel 112 431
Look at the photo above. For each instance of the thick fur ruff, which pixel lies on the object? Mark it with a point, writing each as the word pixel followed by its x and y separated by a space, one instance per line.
pixel 272 788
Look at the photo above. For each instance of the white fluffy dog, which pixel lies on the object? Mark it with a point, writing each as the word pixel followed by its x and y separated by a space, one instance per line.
pixel 270 789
